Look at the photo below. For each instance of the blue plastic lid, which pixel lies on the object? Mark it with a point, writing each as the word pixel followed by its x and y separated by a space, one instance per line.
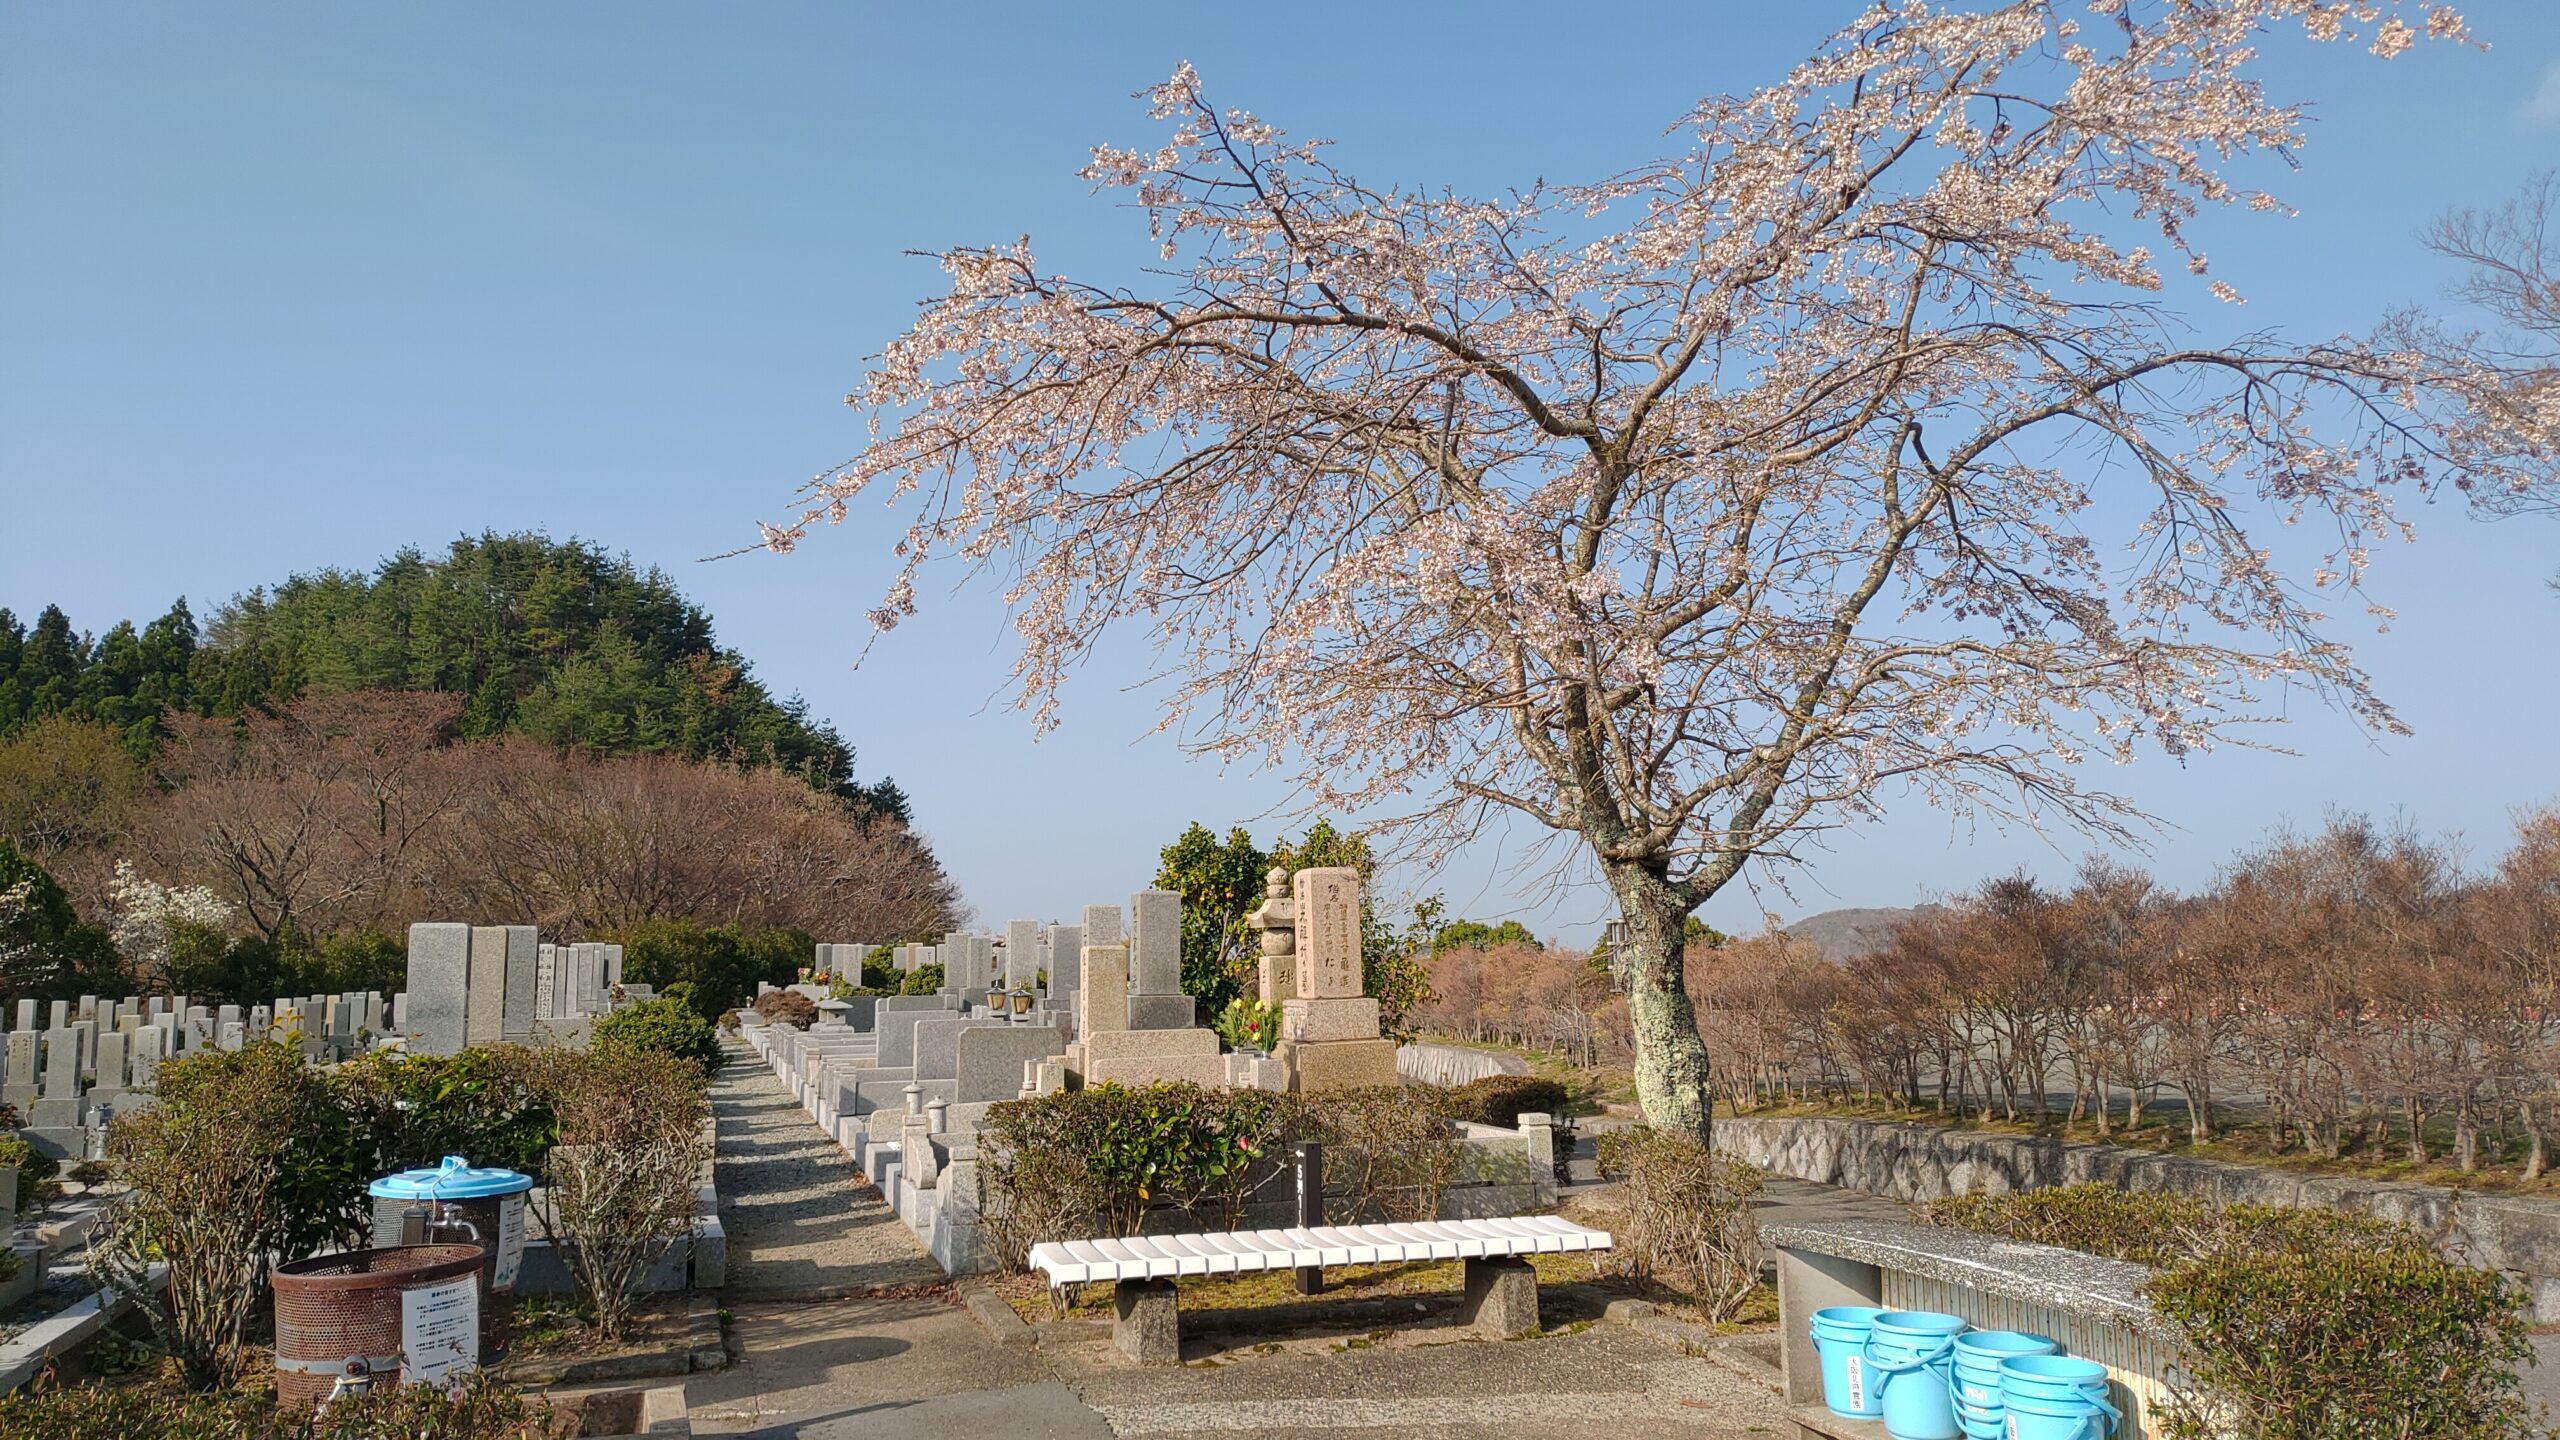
pixel 455 1179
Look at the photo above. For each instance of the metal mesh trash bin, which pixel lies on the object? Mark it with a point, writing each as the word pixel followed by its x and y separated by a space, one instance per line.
pixel 404 1315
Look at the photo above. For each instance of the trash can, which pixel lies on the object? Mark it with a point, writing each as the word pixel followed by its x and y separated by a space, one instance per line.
pixel 456 1203
pixel 406 1315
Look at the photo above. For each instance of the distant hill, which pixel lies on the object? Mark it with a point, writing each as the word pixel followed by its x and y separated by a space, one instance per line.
pixel 558 640
pixel 1843 935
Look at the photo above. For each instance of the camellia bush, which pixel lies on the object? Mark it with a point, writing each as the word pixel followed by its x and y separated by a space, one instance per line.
pixel 2298 1324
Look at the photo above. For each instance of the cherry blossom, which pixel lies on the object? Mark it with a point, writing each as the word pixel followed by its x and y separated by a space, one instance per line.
pixel 1857 449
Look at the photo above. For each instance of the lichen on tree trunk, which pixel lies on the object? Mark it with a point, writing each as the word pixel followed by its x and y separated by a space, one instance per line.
pixel 1671 1061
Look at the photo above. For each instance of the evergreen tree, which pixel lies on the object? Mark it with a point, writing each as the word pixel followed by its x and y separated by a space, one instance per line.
pixel 554 639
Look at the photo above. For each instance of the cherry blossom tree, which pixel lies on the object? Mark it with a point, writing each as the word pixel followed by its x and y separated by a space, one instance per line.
pixel 1851 452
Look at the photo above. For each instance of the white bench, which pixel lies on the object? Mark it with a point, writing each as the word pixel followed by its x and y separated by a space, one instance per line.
pixel 1501 1289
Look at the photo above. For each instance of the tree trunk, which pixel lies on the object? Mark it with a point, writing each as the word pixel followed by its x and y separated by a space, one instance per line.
pixel 1671 1070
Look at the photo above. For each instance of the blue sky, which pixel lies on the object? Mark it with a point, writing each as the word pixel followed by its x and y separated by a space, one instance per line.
pixel 290 286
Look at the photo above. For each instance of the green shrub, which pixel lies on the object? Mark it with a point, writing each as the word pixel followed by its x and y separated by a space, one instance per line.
pixel 247 968
pixel 1503 1099
pixel 2297 1324
pixel 2302 1338
pixel 723 963
pixel 34 1168
pixel 242 1158
pixel 1690 1221
pixel 480 1409
pixel 666 1026
pixel 413 1109
pixel 1075 1164
pixel 922 980
pixel 787 1007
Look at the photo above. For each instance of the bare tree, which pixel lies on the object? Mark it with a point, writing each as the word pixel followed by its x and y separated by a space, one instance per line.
pixel 1696 508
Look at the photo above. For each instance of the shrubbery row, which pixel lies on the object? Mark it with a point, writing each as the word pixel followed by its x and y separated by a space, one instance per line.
pixel 2297 1324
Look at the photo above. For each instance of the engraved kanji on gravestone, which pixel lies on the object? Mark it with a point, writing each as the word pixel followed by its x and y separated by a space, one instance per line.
pixel 1328 924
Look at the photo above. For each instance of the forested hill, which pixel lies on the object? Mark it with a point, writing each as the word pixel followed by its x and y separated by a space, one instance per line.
pixel 553 639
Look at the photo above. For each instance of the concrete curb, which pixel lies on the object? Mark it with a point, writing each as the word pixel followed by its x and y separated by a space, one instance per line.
pixel 997 1318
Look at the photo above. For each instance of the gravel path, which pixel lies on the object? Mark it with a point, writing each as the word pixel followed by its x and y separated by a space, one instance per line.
pixel 801 1219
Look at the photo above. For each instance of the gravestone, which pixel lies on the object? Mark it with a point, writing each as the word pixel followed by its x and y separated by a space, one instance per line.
pixel 60 1103
pixel 546 981
pixel 612 966
pixel 150 1043
pixel 26 1015
pixel 1021 953
pixel 232 1035
pixel 515 1019
pixel 988 1059
pixel 485 1009
pixel 1329 1029
pixel 20 1088
pixel 586 967
pixel 1101 925
pixel 113 1067
pixel 907 959
pixel 938 1045
pixel 439 986
pixel 1103 1000
pixel 1065 963
pixel 1156 1001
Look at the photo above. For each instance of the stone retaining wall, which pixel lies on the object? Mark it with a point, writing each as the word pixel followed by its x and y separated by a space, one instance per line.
pixel 1924 1162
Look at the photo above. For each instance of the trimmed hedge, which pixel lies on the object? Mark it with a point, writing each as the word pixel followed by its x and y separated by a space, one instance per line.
pixel 2297 1324
pixel 1503 1099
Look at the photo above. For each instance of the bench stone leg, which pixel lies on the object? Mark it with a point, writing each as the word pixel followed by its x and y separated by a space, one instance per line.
pixel 1502 1297
pixel 1144 1323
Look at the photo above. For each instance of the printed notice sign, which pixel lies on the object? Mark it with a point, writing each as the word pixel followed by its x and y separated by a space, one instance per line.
pixel 440 1330
pixel 510 1241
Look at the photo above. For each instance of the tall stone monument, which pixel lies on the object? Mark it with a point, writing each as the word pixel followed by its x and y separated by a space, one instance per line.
pixel 1329 1029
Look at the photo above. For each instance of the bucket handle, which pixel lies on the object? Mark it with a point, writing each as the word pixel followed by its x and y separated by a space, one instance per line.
pixel 2100 1423
pixel 1946 1347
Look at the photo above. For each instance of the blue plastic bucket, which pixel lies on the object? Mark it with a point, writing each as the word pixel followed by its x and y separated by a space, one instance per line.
pixel 1848 1383
pixel 2051 1377
pixel 1913 1352
pixel 2056 1397
pixel 1977 1365
pixel 2080 1417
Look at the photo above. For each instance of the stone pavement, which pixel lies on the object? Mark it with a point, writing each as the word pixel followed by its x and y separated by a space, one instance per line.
pixel 801 1219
